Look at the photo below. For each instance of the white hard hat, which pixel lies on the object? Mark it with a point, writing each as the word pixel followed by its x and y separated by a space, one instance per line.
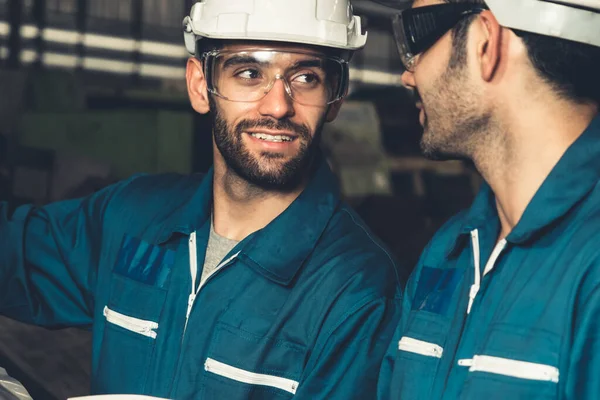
pixel 328 23
pixel 576 20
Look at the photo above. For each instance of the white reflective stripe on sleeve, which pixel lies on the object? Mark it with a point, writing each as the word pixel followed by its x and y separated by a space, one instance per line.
pixel 420 347
pixel 251 378
pixel 514 368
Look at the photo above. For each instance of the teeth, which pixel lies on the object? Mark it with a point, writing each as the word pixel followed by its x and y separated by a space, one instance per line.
pixel 272 138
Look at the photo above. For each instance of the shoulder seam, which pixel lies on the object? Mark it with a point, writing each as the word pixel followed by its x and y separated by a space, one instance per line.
pixel 369 298
pixel 373 241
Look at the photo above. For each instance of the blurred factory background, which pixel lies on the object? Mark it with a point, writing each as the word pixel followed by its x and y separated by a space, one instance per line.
pixel 94 91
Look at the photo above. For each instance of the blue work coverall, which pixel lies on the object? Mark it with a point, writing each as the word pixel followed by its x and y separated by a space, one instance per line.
pixel 303 308
pixel 516 319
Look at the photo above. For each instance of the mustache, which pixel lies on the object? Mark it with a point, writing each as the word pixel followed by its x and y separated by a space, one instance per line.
pixel 416 96
pixel 276 125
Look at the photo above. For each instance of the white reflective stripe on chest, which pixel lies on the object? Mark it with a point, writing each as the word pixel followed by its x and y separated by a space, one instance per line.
pixel 194 274
pixel 141 326
pixel 514 368
pixel 251 378
pixel 416 346
pixel 489 266
pixel 465 362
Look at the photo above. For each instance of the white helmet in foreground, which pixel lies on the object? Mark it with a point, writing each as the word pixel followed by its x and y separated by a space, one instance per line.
pixel 328 23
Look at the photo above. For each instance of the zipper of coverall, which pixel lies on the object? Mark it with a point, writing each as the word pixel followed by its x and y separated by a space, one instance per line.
pixel 194 274
pixel 489 266
pixel 474 289
pixel 193 261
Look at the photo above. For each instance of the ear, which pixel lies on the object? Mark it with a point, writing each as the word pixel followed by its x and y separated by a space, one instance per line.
pixel 333 110
pixel 196 86
pixel 489 48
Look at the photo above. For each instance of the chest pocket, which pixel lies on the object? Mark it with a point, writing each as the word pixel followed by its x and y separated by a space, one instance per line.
pixel 132 315
pixel 514 363
pixel 419 353
pixel 421 347
pixel 241 365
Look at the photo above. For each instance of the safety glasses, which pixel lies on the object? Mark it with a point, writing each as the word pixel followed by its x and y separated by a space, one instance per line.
pixel 417 29
pixel 247 76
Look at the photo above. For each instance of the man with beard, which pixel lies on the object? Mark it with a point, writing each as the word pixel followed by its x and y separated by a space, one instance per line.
pixel 505 300
pixel 252 282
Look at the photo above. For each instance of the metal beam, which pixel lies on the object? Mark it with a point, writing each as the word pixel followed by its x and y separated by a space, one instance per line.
pixel 81 24
pixel 137 24
pixel 39 17
pixel 371 8
pixel 15 11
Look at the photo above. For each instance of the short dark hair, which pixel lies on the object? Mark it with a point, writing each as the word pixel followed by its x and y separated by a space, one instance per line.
pixel 205 45
pixel 569 67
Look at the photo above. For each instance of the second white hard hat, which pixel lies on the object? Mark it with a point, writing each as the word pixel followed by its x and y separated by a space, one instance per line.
pixel 575 20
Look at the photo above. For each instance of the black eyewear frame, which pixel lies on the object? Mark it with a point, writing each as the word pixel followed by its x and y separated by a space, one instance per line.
pixel 417 29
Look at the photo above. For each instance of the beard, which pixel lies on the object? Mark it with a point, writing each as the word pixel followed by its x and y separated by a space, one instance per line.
pixel 454 124
pixel 268 170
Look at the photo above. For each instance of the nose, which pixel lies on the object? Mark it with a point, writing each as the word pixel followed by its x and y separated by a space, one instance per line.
pixel 277 103
pixel 408 79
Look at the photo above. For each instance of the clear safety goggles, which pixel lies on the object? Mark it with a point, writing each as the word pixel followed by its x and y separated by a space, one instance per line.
pixel 309 78
pixel 417 29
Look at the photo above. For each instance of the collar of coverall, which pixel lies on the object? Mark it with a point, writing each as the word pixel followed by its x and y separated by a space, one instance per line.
pixel 574 176
pixel 278 250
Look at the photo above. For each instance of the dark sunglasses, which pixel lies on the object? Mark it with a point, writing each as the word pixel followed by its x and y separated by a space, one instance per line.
pixel 417 29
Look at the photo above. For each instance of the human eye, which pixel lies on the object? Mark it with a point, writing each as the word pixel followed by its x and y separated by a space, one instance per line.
pixel 248 74
pixel 307 79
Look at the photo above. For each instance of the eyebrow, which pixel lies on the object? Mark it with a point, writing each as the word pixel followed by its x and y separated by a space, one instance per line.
pixel 241 60
pixel 307 63
pixel 244 60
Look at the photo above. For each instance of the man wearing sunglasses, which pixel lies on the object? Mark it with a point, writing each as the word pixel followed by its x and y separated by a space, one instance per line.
pixel 252 282
pixel 505 300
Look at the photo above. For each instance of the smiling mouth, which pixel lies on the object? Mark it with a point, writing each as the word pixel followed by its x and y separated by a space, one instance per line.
pixel 272 138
